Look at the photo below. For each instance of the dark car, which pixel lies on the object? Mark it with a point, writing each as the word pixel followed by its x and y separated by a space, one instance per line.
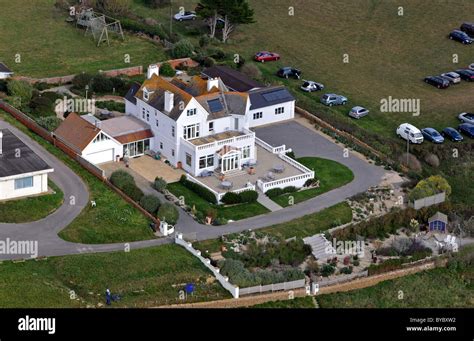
pixel 265 56
pixel 286 72
pixel 467 129
pixel 460 36
pixel 468 27
pixel 452 134
pixel 437 81
pixel 432 135
pixel 466 74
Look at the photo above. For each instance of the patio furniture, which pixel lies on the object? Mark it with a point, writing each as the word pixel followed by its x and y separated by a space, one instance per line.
pixel 279 168
pixel 206 173
pixel 252 162
pixel 271 176
pixel 226 184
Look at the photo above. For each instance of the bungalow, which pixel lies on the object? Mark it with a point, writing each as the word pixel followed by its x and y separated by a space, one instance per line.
pixel 5 72
pixel 22 172
pixel 105 141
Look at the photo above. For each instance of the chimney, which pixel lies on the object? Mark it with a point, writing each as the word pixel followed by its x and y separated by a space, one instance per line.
pixel 169 101
pixel 1 142
pixel 153 69
pixel 212 82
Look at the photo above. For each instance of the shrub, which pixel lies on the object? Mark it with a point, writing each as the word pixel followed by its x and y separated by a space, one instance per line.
pixel 430 186
pixel 252 71
pixel 231 198
pixel 169 213
pixel 21 90
pixel 42 105
pixel 291 154
pixel 101 84
pixel 327 270
pixel 133 191
pixel 120 178
pixel 198 189
pixel 167 70
pixel 49 123
pixel 432 160
pixel 150 203
pixel 346 270
pixel 248 196
pixel 160 184
pixel 204 40
pixel 81 80
pixel 274 192
pixel 208 61
pixel 3 85
pixel 137 26
pixel 220 221
pixel 183 48
pixel 310 182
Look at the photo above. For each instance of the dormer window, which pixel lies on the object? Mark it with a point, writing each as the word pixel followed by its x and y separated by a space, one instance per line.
pixel 191 112
pixel 146 94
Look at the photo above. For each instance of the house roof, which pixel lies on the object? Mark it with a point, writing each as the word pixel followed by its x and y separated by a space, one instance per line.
pixel 224 104
pixel 265 97
pixel 76 131
pixel 4 68
pixel 130 96
pixel 126 129
pixel 233 79
pixel 195 86
pixel 11 164
pixel 438 216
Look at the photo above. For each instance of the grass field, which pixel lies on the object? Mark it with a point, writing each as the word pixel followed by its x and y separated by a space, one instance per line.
pixel 113 220
pixel 143 278
pixel 297 302
pixel 235 212
pixel 32 208
pixel 48 46
pixel 331 175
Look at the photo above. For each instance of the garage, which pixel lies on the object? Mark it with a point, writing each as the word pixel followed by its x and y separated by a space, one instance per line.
pixel 100 157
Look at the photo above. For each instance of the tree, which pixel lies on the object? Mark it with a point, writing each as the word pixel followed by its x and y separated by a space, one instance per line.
pixel 235 12
pixel 183 48
pixel 209 10
pixel 21 91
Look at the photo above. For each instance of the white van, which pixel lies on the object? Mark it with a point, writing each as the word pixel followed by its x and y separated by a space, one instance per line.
pixel 410 132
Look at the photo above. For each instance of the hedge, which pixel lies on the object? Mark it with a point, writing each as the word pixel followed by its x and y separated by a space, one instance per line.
pixel 133 191
pixel 169 213
pixel 160 184
pixel 150 203
pixel 120 178
pixel 231 198
pixel 275 192
pixel 198 189
pixel 249 196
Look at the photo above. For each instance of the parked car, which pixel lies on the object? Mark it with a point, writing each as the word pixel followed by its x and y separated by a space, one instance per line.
pixel 466 74
pixel 471 66
pixel 437 81
pixel 333 99
pixel 467 129
pixel 287 71
pixel 265 56
pixel 466 117
pixel 358 112
pixel 460 36
pixel 186 15
pixel 431 134
pixel 451 77
pixel 410 133
pixel 310 86
pixel 452 134
pixel 468 27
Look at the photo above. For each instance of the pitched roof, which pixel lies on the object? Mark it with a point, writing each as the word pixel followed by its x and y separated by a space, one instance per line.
pixel 4 68
pixel 76 131
pixel 195 86
pixel 233 79
pixel 439 216
pixel 126 129
pixel 224 104
pixel 269 96
pixel 130 96
pixel 11 164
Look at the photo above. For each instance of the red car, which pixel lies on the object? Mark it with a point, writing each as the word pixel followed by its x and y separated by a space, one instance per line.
pixel 265 56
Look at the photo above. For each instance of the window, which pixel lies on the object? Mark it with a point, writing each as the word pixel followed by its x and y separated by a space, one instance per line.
pixel 257 115
pixel 157 123
pixel 279 110
pixel 161 145
pixel 101 137
pixel 24 182
pixel 206 161
pixel 211 127
pixel 172 131
pixel 191 131
pixel 147 116
pixel 172 152
pixel 146 95
pixel 246 152
pixel 189 159
pixel 143 113
pixel 191 112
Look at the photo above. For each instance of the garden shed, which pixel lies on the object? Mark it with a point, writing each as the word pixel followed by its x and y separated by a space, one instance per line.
pixel 438 222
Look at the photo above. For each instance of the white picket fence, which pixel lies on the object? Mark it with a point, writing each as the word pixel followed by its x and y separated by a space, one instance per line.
pixel 300 283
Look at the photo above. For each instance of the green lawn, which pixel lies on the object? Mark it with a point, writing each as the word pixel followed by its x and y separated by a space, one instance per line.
pixel 62 48
pixel 143 278
pixel 32 208
pixel 113 220
pixel 234 212
pixel 331 175
pixel 305 226
pixel 297 302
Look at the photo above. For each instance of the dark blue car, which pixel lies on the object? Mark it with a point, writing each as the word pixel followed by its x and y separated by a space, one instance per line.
pixel 467 129
pixel 460 36
pixel 452 134
pixel 432 135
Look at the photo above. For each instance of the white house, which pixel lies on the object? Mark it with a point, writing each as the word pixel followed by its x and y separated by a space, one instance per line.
pixel 201 125
pixel 105 141
pixel 22 172
pixel 5 72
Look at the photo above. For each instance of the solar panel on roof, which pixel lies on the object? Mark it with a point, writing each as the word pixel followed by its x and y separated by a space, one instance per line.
pixel 275 95
pixel 215 105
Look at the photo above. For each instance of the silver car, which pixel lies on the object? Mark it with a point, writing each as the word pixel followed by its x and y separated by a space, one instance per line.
pixel 466 117
pixel 310 86
pixel 333 99
pixel 452 77
pixel 471 67
pixel 187 15
pixel 358 112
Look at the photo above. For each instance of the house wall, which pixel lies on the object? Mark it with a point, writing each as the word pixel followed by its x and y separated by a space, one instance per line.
pixel 269 114
pixel 40 185
pixel 95 152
